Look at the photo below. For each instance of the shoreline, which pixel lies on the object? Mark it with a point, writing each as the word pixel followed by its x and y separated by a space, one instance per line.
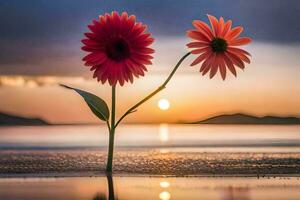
pixel 102 174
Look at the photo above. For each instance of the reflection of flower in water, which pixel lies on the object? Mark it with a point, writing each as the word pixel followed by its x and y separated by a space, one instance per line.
pixel 232 193
pixel 99 196
pixel 111 193
pixel 164 195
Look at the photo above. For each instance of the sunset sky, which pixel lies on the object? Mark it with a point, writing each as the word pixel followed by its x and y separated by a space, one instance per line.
pixel 40 47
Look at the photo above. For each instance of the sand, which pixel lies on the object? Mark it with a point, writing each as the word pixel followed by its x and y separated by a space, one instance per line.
pixel 147 162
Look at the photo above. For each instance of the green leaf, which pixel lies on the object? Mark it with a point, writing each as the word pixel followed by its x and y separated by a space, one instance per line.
pixel 95 103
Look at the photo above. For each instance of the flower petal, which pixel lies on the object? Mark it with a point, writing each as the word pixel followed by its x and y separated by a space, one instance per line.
pixel 222 67
pixel 240 41
pixel 226 29
pixel 242 56
pixel 201 58
pixel 197 44
pixel 207 62
pixel 214 66
pixel 209 66
pixel 96 44
pixel 229 65
pixel 235 60
pixel 144 50
pixel 221 27
pixel 206 69
pixel 214 24
pixel 95 56
pixel 201 50
pixel 197 35
pixel 234 33
pixel 203 28
pixel 238 50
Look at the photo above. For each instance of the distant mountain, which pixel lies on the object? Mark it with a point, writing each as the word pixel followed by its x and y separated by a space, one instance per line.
pixel 11 120
pixel 248 119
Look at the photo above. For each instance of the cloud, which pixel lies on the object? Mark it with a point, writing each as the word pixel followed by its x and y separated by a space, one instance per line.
pixel 168 50
pixel 34 58
pixel 17 81
pixel 38 81
pixel 43 37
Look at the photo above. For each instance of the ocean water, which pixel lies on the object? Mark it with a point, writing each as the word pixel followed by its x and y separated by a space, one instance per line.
pixel 235 138
pixel 160 188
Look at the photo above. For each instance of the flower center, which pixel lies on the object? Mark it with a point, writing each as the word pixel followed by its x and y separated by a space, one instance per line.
pixel 117 49
pixel 219 45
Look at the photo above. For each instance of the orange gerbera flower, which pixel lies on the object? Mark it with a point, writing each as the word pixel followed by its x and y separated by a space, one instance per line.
pixel 217 46
pixel 118 48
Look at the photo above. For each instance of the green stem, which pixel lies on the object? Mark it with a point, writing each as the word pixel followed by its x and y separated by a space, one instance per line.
pixel 132 109
pixel 112 131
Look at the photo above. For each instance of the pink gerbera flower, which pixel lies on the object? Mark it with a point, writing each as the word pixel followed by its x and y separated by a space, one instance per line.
pixel 217 46
pixel 118 48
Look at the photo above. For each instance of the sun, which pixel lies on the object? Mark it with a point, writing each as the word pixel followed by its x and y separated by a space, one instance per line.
pixel 163 104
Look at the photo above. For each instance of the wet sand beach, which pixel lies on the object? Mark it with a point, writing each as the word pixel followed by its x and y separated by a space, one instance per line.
pixel 148 162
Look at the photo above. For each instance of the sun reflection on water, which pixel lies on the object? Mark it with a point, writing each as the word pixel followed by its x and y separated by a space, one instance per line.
pixel 164 184
pixel 164 195
pixel 164 132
